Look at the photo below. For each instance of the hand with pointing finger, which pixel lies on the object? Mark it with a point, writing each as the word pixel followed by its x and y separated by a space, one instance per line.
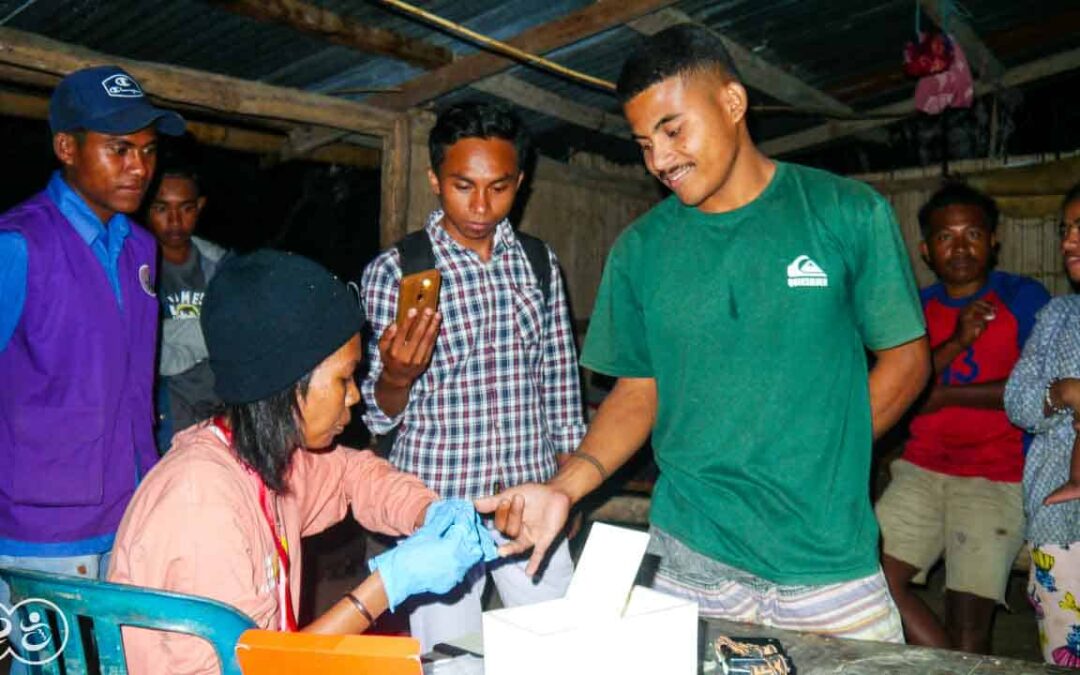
pixel 531 514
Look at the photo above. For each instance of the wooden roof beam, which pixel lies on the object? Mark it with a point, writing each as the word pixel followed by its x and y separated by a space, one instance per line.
pixel 888 114
pixel 36 107
pixel 753 70
pixel 574 27
pixel 531 97
pixel 228 95
pixel 327 25
pixel 503 86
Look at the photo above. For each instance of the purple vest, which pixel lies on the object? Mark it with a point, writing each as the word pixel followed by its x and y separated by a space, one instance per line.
pixel 76 411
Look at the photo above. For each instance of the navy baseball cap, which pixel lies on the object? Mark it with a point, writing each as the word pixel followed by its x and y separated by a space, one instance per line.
pixel 107 100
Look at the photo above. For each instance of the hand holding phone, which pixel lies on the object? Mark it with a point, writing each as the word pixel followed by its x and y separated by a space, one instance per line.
pixel 406 346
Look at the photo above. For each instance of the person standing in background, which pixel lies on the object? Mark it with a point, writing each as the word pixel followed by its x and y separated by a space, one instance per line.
pixel 78 331
pixel 186 387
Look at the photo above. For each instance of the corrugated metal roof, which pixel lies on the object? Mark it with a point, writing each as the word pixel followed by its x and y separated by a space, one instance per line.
pixel 849 48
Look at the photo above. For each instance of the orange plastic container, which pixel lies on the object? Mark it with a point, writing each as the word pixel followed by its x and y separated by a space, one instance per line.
pixel 265 652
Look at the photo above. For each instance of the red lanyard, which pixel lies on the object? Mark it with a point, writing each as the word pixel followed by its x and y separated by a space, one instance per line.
pixel 281 544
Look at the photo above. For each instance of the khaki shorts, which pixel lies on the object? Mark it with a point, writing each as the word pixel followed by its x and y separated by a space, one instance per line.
pixel 977 523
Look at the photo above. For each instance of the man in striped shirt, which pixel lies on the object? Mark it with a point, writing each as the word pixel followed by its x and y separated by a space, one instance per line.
pixel 484 393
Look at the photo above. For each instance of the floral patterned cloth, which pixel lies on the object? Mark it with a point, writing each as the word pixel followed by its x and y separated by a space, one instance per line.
pixel 1053 589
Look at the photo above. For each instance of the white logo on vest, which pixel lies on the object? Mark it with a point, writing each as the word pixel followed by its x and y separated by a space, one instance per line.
pixel 36 644
pixel 145 281
pixel 121 86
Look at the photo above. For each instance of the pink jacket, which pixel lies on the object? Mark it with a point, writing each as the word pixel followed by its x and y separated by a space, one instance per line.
pixel 195 526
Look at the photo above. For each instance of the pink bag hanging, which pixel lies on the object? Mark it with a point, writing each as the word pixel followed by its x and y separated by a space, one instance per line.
pixel 931 55
pixel 952 88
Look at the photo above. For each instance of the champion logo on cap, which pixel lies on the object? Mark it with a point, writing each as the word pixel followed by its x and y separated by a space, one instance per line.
pixel 121 85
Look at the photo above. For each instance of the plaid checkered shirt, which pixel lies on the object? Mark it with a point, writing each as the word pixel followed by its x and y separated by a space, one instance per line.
pixel 502 395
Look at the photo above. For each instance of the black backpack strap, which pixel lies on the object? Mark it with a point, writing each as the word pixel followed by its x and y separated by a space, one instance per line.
pixel 415 252
pixel 536 252
pixel 417 255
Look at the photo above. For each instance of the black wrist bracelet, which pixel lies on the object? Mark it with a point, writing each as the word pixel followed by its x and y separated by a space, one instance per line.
pixel 359 605
pixel 592 460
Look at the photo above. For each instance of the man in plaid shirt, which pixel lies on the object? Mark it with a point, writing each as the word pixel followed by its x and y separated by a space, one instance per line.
pixel 485 392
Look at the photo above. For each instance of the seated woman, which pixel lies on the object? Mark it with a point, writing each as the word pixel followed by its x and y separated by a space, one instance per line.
pixel 222 515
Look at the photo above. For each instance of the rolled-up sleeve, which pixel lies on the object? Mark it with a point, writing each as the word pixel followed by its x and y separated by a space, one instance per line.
pixel 563 413
pixel 382 498
pixel 1025 390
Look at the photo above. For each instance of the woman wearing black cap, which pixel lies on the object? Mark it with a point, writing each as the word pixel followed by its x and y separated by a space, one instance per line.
pixel 222 515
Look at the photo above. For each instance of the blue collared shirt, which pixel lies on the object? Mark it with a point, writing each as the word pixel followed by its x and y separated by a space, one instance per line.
pixel 105 240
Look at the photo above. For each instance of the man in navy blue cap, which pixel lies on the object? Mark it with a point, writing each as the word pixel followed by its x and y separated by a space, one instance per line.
pixel 78 322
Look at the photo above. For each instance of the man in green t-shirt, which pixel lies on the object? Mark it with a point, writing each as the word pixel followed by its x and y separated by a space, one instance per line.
pixel 736 315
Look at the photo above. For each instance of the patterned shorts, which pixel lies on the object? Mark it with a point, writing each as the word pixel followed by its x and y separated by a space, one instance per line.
pixel 1054 592
pixel 861 609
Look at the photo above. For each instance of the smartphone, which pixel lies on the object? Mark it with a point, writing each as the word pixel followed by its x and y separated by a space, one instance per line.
pixel 420 290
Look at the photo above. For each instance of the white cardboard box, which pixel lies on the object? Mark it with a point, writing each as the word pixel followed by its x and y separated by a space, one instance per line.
pixel 605 624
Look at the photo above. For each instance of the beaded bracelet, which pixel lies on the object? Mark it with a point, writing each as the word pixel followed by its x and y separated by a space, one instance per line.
pixel 1057 410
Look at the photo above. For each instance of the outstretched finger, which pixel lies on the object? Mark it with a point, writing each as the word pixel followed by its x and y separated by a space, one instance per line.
pixel 539 551
pixel 513 548
pixel 408 326
pixel 488 504
pixel 501 514
pixel 514 516
pixel 387 338
pixel 427 340
pixel 417 347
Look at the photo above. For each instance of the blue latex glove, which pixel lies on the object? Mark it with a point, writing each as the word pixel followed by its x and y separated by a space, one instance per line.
pixel 437 557
pixel 445 513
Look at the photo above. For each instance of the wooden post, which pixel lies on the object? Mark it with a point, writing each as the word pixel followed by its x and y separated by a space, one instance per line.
pixel 395 183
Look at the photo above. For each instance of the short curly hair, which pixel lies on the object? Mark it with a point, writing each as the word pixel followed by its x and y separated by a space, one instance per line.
pixel 678 50
pixel 959 193
pixel 476 120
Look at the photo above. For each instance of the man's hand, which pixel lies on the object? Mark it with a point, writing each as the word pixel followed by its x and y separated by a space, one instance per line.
pixel 1071 488
pixel 932 402
pixel 1066 492
pixel 1067 391
pixel 406 350
pixel 972 322
pixel 531 514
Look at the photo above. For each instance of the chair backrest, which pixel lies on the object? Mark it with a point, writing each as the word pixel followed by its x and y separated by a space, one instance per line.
pixel 75 603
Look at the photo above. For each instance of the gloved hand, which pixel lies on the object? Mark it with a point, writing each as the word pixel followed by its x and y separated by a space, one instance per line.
pixel 444 513
pixel 437 557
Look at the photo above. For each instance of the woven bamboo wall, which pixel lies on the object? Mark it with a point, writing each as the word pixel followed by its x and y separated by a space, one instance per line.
pixel 1028 245
pixel 580 215
pixel 1028 191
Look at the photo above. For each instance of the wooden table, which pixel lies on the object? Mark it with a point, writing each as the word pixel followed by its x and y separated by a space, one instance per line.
pixel 816 655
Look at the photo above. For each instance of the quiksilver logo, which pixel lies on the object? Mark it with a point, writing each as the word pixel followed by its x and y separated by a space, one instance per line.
pixel 803 272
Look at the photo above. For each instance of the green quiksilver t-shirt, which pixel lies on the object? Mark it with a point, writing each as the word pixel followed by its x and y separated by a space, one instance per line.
pixel 753 324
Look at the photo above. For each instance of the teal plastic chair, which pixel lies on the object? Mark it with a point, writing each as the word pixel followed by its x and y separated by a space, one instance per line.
pixel 109 607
